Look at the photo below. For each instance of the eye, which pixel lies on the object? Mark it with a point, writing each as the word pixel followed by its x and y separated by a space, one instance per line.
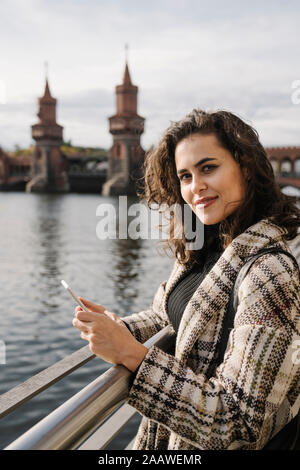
pixel 184 177
pixel 209 168
pixel 205 169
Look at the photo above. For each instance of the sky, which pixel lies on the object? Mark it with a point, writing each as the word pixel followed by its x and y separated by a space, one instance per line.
pixel 233 55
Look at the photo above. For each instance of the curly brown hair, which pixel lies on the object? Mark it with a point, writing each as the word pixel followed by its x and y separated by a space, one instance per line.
pixel 161 184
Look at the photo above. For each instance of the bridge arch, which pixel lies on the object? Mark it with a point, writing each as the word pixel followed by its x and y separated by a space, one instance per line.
pixel 286 168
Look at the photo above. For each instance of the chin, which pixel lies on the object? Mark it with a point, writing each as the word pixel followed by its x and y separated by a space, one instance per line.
pixel 210 222
pixel 206 219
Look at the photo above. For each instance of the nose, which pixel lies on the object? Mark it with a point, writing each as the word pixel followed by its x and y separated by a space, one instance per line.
pixel 198 184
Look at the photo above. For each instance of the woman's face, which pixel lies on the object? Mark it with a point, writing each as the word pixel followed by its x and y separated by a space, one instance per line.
pixel 207 170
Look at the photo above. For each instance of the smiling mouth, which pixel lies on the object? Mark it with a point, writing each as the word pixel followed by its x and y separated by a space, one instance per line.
pixel 206 202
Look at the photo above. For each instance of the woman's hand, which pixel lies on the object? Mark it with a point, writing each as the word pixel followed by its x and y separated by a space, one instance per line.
pixel 108 336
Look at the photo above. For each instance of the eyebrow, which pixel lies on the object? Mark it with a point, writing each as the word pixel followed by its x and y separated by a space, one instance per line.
pixel 204 160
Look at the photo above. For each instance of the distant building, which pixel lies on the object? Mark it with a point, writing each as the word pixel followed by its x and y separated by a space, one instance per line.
pixel 48 171
pixel 126 155
pixel 286 164
pixel 52 168
pixel 14 172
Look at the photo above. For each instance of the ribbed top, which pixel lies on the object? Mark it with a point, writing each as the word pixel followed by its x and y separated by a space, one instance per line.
pixel 184 290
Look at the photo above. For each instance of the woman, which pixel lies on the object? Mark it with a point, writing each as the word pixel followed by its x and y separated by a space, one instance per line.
pixel 214 163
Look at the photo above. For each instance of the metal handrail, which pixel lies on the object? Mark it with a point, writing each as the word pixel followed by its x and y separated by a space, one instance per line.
pixel 112 427
pixel 71 423
pixel 36 384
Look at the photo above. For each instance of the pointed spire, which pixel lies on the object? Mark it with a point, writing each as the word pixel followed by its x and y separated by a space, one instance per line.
pixel 126 76
pixel 47 97
pixel 47 93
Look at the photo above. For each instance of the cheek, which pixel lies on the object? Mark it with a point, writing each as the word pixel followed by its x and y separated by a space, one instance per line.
pixel 231 184
pixel 185 193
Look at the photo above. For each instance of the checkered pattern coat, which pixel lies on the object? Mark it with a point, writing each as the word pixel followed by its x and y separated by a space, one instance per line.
pixel 256 390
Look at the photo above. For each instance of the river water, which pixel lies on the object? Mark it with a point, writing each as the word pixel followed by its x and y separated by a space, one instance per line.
pixel 43 239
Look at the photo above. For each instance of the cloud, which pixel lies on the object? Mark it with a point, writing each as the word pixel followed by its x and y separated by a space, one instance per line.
pixel 195 54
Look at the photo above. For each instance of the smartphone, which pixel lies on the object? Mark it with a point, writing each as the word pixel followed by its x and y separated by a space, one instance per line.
pixel 74 296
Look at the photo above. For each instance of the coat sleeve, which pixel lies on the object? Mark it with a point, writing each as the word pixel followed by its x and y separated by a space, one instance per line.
pixel 238 407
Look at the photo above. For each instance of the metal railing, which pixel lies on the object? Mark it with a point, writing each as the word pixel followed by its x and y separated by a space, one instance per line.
pixel 95 415
pixel 75 424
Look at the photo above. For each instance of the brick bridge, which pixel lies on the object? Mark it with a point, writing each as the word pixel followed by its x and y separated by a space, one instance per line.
pixel 88 174
pixel 286 165
pixel 14 171
pixel 48 169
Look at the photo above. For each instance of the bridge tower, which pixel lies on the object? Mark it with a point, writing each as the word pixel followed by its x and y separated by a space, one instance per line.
pixel 126 155
pixel 48 164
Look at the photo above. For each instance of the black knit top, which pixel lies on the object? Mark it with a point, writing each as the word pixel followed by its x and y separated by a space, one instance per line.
pixel 184 290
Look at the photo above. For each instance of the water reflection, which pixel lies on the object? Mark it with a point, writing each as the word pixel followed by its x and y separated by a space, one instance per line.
pixel 126 269
pixel 126 259
pixel 47 238
pixel 47 229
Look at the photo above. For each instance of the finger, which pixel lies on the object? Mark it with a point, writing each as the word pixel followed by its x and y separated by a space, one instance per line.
pixel 91 306
pixel 78 309
pixel 111 315
pixel 80 325
pixel 84 316
pixel 84 336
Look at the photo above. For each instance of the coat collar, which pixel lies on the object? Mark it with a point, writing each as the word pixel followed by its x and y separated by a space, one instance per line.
pixel 212 295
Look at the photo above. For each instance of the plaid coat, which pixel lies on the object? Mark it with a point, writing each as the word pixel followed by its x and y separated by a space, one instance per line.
pixel 256 390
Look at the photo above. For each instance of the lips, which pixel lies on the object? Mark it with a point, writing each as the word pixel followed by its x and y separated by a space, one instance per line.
pixel 204 200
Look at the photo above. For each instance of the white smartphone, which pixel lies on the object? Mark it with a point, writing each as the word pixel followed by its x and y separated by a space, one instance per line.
pixel 74 296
